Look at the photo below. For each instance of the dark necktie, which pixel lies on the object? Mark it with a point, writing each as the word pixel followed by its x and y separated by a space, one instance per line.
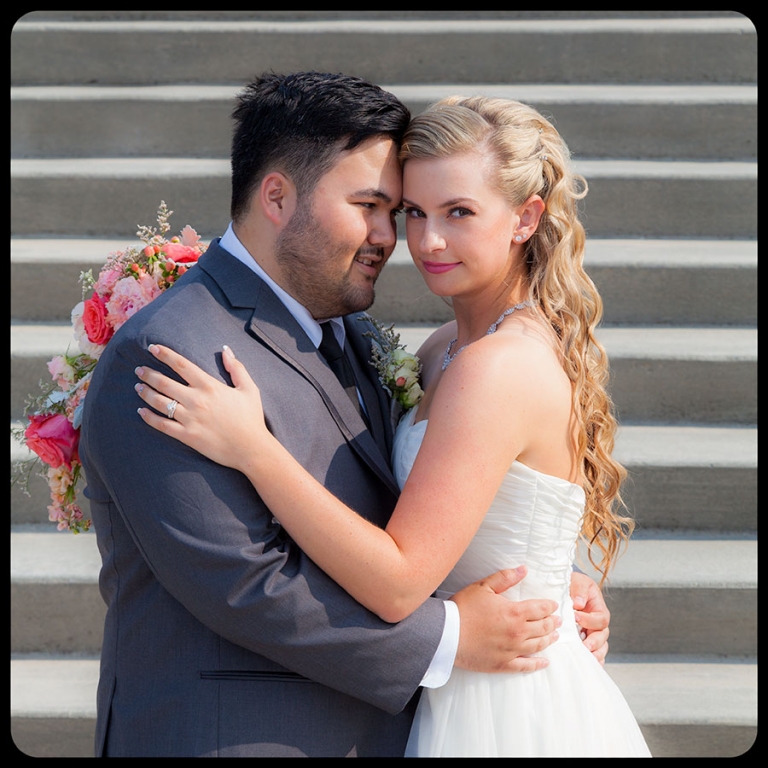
pixel 337 360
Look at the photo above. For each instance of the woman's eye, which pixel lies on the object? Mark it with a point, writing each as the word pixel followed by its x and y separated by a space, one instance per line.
pixel 460 212
pixel 413 213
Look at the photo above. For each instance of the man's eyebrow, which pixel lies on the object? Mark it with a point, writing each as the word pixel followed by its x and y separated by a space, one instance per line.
pixel 374 192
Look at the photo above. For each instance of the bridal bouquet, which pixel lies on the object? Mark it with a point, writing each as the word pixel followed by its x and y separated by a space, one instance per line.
pixel 128 281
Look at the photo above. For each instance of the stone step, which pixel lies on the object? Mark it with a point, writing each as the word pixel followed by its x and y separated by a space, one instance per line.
pixel 55 602
pixel 666 587
pixel 700 375
pixel 528 50
pixel 627 198
pixel 53 705
pixel 686 707
pixel 629 121
pixel 690 708
pixel 690 477
pixel 641 281
pixel 680 478
pixel 662 593
pixel 662 375
pixel 353 14
pixel 668 282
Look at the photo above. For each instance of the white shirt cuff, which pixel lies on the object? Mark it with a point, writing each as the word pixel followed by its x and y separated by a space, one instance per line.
pixel 442 663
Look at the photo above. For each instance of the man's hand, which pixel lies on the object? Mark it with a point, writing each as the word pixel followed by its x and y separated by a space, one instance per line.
pixel 592 614
pixel 498 635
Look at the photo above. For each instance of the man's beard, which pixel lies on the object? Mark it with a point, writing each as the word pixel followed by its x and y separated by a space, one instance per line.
pixel 316 268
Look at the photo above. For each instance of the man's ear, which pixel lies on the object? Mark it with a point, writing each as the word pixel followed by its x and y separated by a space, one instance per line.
pixel 277 196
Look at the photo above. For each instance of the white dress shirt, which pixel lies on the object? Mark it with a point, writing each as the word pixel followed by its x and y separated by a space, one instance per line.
pixel 442 664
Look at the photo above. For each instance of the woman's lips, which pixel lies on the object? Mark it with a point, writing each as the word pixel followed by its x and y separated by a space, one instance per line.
pixel 438 268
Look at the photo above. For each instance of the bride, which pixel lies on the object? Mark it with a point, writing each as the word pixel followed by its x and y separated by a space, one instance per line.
pixel 506 460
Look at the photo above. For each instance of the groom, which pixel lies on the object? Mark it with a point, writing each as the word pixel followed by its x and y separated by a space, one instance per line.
pixel 221 637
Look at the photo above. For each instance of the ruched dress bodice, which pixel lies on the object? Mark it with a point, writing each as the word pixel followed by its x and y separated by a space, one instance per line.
pixel 533 520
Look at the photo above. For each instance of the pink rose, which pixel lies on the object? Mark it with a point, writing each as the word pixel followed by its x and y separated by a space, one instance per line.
pixel 129 296
pixel 95 320
pixel 53 439
pixel 78 328
pixel 181 254
pixel 107 279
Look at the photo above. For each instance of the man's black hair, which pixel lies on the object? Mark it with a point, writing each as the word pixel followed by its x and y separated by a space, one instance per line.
pixel 299 123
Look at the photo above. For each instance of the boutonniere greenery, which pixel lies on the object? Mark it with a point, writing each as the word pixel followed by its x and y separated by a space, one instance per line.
pixel 398 369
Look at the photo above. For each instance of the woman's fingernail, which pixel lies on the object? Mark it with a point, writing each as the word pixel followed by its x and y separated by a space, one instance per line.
pixel 153 348
pixel 228 351
pixel 139 388
pixel 139 371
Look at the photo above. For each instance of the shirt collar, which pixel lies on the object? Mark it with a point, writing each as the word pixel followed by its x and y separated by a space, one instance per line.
pixel 230 243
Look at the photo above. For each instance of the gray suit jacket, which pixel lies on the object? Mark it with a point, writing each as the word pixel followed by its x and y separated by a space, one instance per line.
pixel 221 637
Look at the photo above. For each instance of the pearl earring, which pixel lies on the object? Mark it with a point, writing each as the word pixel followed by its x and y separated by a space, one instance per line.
pixel 518 238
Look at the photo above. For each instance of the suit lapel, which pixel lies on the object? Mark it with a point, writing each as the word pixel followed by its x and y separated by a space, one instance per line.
pixel 377 401
pixel 289 341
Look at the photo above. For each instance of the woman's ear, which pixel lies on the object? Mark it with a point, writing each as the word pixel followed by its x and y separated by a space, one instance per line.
pixel 277 196
pixel 529 213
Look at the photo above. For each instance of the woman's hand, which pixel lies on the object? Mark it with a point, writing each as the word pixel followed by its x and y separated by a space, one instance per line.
pixel 224 423
pixel 592 614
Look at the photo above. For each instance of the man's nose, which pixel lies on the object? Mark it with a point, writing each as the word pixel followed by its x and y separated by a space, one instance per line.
pixel 383 232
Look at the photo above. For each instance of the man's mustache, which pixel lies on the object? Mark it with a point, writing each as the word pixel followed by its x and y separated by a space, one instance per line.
pixel 372 252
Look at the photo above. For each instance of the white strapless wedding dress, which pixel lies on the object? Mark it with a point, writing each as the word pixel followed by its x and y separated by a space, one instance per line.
pixel 570 709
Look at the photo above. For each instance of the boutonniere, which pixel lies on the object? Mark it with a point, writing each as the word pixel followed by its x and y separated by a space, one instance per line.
pixel 398 369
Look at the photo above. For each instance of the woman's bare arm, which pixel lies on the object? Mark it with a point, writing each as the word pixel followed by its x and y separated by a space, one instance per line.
pixel 468 446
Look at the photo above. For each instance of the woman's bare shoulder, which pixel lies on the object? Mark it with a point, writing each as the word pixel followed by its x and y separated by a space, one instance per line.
pixel 519 361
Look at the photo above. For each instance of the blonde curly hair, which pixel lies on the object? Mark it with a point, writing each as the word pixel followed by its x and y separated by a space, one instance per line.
pixel 531 158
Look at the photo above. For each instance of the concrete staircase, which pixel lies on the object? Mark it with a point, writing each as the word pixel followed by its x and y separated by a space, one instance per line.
pixel 113 111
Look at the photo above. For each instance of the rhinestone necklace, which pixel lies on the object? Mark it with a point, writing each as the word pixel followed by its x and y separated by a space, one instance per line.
pixel 448 358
